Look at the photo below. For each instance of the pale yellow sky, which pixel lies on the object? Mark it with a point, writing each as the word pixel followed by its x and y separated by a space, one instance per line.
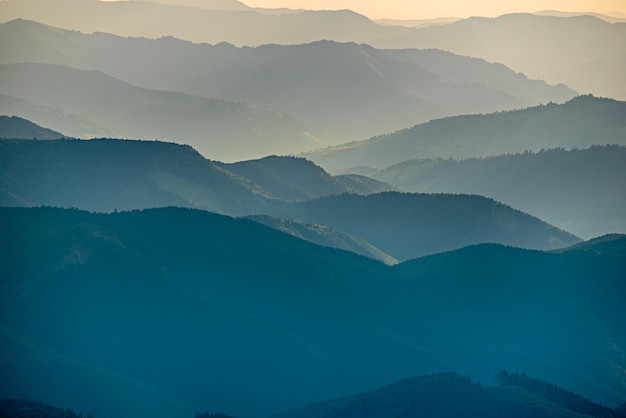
pixel 413 9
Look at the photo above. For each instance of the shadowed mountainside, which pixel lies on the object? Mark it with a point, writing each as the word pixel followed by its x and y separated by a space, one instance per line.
pixel 108 174
pixel 262 319
pixel 581 122
pixel 581 191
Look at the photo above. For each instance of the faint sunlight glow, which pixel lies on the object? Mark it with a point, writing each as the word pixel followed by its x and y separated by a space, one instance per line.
pixel 410 9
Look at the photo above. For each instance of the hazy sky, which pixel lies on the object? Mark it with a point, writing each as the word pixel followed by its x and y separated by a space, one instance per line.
pixel 412 9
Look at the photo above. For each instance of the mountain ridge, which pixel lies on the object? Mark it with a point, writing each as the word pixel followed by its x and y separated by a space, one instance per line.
pixel 140 175
pixel 294 178
pixel 210 124
pixel 448 395
pixel 325 84
pixel 584 52
pixel 19 128
pixel 579 190
pixel 241 27
pixel 409 226
pixel 270 316
pixel 556 51
pixel 581 122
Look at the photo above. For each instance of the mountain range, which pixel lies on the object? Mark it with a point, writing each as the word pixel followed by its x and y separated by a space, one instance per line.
pixel 221 128
pixel 579 190
pixel 585 52
pixel 413 225
pixel 106 175
pixel 249 251
pixel 210 23
pixel 245 319
pixel 581 122
pixel 327 85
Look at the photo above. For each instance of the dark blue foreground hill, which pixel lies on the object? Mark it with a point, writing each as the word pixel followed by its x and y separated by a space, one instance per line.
pixel 172 311
pixel 19 408
pixel 449 395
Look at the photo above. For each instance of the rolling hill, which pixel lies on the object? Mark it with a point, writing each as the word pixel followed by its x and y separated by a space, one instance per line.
pixel 443 394
pixel 127 289
pixel 328 85
pixel 581 122
pixel 30 368
pixel 244 319
pixel 195 298
pixel 291 179
pixel 218 128
pixel 407 226
pixel 450 395
pixel 105 175
pixel 578 190
pixel 19 128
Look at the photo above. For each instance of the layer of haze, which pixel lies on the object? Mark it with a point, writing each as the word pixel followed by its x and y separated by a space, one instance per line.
pixel 407 9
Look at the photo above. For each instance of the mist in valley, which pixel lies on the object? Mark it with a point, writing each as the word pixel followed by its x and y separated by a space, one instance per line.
pixel 215 208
